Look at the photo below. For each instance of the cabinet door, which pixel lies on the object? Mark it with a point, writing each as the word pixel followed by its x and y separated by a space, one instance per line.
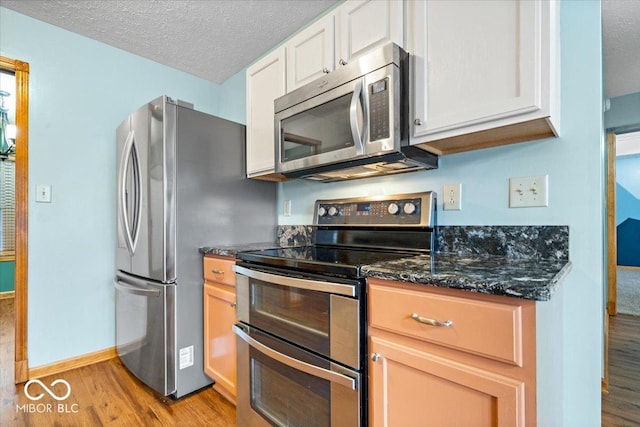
pixel 410 387
pixel 364 24
pixel 265 83
pixel 310 53
pixel 475 63
pixel 220 341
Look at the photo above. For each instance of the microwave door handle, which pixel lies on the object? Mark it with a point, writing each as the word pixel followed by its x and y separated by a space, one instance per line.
pixel 353 118
pixel 308 368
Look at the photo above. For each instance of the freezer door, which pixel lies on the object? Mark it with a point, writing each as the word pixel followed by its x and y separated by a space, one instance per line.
pixel 145 189
pixel 145 331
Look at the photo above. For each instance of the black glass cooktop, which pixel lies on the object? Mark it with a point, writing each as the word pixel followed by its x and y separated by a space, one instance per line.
pixel 323 259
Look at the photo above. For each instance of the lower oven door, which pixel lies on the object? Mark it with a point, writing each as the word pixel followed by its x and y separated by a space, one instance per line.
pixel 282 385
pixel 324 317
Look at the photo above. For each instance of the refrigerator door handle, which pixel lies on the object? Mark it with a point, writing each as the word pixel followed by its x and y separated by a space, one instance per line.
pixel 136 291
pixel 127 152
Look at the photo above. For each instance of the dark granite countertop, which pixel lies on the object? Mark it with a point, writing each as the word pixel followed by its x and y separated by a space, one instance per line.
pixel 232 250
pixel 495 275
pixel 518 261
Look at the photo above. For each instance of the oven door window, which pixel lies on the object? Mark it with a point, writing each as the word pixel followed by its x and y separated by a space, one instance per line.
pixel 299 315
pixel 287 397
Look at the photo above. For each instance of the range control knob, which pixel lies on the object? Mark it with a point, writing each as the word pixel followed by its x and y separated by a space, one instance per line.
pixel 409 208
pixel 322 211
pixel 333 211
pixel 393 208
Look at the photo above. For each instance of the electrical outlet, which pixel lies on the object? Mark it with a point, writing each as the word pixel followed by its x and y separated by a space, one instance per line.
pixel 530 191
pixel 452 197
pixel 287 208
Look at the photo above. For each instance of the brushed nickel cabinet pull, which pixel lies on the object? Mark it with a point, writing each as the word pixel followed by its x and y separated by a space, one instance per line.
pixel 432 322
pixel 216 271
pixel 375 356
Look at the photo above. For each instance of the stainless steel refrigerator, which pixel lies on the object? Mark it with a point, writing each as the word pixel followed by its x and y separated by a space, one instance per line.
pixel 180 185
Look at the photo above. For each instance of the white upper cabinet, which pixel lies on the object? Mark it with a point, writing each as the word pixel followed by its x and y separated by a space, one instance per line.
pixel 310 53
pixel 364 24
pixel 352 29
pixel 265 83
pixel 482 67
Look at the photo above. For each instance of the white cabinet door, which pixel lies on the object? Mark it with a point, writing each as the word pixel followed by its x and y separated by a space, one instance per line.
pixel 478 65
pixel 334 40
pixel 265 83
pixel 310 53
pixel 364 24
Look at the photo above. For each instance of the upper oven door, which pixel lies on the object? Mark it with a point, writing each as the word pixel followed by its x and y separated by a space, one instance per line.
pixel 321 316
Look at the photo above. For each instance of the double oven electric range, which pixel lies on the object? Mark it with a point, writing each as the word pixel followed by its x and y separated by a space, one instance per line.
pixel 302 322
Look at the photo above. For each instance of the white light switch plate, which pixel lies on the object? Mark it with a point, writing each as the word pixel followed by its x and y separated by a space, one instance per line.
pixel 452 197
pixel 43 193
pixel 530 191
pixel 286 211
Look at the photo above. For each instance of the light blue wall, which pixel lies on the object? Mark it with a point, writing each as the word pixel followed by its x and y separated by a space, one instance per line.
pixel 574 165
pixel 232 98
pixel 80 90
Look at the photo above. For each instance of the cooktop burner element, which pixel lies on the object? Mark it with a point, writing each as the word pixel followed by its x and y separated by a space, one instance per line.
pixel 359 231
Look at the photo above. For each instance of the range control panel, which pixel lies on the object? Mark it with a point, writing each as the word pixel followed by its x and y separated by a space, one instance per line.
pixel 415 209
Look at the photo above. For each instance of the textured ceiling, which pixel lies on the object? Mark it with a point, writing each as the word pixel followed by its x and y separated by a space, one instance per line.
pixel 621 46
pixel 214 39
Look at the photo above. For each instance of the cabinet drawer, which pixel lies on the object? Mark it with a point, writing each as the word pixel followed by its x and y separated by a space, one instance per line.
pixel 486 328
pixel 219 270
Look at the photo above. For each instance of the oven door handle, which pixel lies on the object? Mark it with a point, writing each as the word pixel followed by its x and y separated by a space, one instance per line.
pixel 308 368
pixel 292 282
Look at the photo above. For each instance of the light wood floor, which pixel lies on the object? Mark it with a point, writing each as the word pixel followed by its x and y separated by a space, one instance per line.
pixel 104 394
pixel 621 407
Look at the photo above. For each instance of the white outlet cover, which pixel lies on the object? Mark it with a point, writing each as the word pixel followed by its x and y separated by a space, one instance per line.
pixel 529 191
pixel 452 197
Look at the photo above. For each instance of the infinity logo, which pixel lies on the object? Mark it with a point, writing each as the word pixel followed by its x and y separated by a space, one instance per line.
pixel 51 393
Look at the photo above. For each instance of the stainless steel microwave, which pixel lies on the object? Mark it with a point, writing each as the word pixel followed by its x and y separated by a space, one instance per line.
pixel 351 123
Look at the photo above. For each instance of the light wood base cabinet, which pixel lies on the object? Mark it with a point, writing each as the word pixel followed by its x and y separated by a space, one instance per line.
pixel 425 375
pixel 219 317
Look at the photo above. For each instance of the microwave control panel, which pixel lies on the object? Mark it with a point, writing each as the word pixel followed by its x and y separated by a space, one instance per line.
pixel 379 110
pixel 410 210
